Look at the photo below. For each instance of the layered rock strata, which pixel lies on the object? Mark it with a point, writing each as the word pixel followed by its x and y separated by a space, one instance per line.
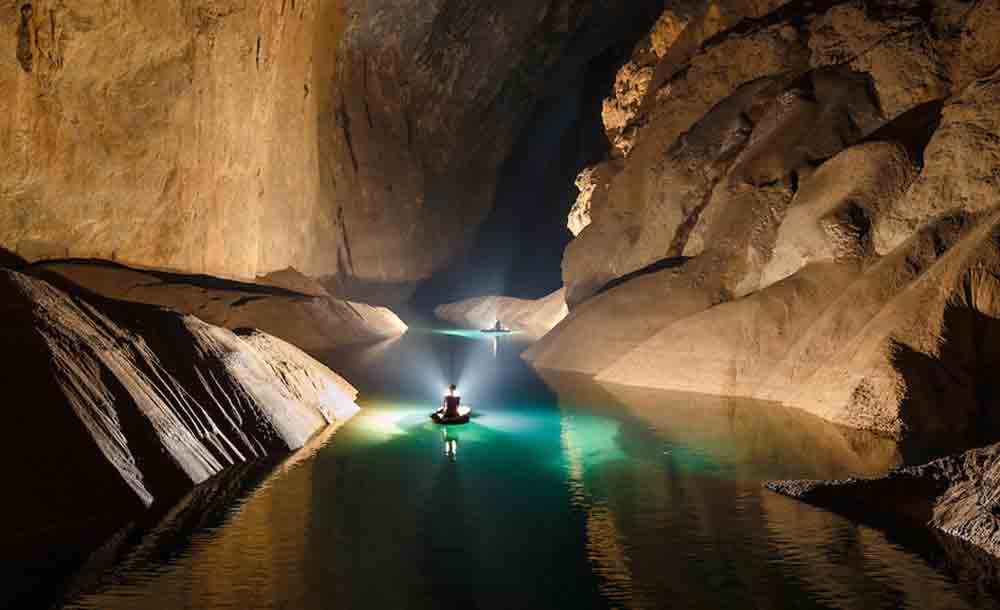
pixel 534 317
pixel 306 316
pixel 118 406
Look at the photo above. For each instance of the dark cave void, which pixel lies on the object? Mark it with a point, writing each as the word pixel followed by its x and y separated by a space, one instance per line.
pixel 518 249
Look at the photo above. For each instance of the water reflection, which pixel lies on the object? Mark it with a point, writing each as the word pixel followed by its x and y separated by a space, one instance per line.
pixel 568 495
pixel 676 491
pixel 450 444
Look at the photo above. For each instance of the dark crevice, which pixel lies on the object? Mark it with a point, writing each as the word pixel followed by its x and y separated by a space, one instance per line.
pixel 25 53
pixel 166 278
pixel 344 121
pixel 660 265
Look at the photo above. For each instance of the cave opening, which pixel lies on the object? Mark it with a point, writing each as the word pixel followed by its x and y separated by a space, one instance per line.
pixel 518 249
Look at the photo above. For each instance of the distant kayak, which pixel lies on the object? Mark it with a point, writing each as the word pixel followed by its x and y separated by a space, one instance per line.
pixel 461 418
pixel 496 331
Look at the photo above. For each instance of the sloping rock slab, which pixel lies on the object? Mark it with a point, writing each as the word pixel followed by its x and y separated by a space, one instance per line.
pixel 306 316
pixel 117 406
pixel 532 316
pixel 958 495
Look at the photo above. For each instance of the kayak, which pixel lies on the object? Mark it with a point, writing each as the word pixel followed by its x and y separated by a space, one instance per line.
pixel 462 418
pixel 494 331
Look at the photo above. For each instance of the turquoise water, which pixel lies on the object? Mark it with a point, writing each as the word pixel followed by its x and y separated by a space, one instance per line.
pixel 559 494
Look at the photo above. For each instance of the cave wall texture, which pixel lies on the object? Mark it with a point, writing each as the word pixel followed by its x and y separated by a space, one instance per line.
pixel 348 138
pixel 800 207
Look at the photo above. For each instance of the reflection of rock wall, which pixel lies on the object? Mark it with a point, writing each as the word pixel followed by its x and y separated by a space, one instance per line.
pixel 535 317
pixel 959 495
pixel 129 404
pixel 653 511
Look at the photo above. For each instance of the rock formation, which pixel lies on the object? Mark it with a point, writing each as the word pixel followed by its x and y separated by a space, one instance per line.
pixel 341 137
pixel 533 317
pixel 117 406
pixel 959 495
pixel 814 225
pixel 307 317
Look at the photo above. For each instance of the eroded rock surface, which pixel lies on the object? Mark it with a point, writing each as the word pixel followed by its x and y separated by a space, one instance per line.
pixel 117 406
pixel 533 317
pixel 307 316
pixel 808 215
pixel 753 94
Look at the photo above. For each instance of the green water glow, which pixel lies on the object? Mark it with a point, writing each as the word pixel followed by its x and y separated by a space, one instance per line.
pixel 558 494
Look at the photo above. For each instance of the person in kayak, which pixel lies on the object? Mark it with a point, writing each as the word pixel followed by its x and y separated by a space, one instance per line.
pixel 449 408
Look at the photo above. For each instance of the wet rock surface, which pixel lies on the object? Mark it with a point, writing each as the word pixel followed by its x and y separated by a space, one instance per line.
pixel 119 406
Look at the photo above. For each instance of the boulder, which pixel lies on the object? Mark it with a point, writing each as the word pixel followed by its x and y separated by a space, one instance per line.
pixel 958 495
pixel 118 406
pixel 308 317
pixel 534 317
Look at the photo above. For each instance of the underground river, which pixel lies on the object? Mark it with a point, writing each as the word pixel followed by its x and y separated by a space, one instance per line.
pixel 559 494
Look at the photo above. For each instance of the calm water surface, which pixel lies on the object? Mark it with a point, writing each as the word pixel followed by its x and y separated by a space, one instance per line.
pixel 560 494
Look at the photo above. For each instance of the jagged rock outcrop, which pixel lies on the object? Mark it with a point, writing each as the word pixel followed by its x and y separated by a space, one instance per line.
pixel 808 216
pixel 307 317
pixel 959 495
pixel 535 317
pixel 343 138
pixel 750 94
pixel 116 406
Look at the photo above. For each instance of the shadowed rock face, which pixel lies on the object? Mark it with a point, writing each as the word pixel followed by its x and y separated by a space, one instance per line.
pixel 957 495
pixel 118 406
pixel 345 138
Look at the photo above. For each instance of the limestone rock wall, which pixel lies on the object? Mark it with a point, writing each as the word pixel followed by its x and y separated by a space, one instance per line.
pixel 117 406
pixel 753 94
pixel 806 214
pixel 345 138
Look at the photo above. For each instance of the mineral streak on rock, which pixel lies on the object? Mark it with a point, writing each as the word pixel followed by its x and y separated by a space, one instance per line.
pixel 120 405
pixel 25 55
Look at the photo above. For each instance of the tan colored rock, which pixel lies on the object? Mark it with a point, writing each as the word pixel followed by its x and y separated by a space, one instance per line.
pixel 235 139
pixel 160 136
pixel 532 317
pixel 888 348
pixel 830 218
pixel 579 214
pixel 313 322
pixel 960 168
pixel 121 405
